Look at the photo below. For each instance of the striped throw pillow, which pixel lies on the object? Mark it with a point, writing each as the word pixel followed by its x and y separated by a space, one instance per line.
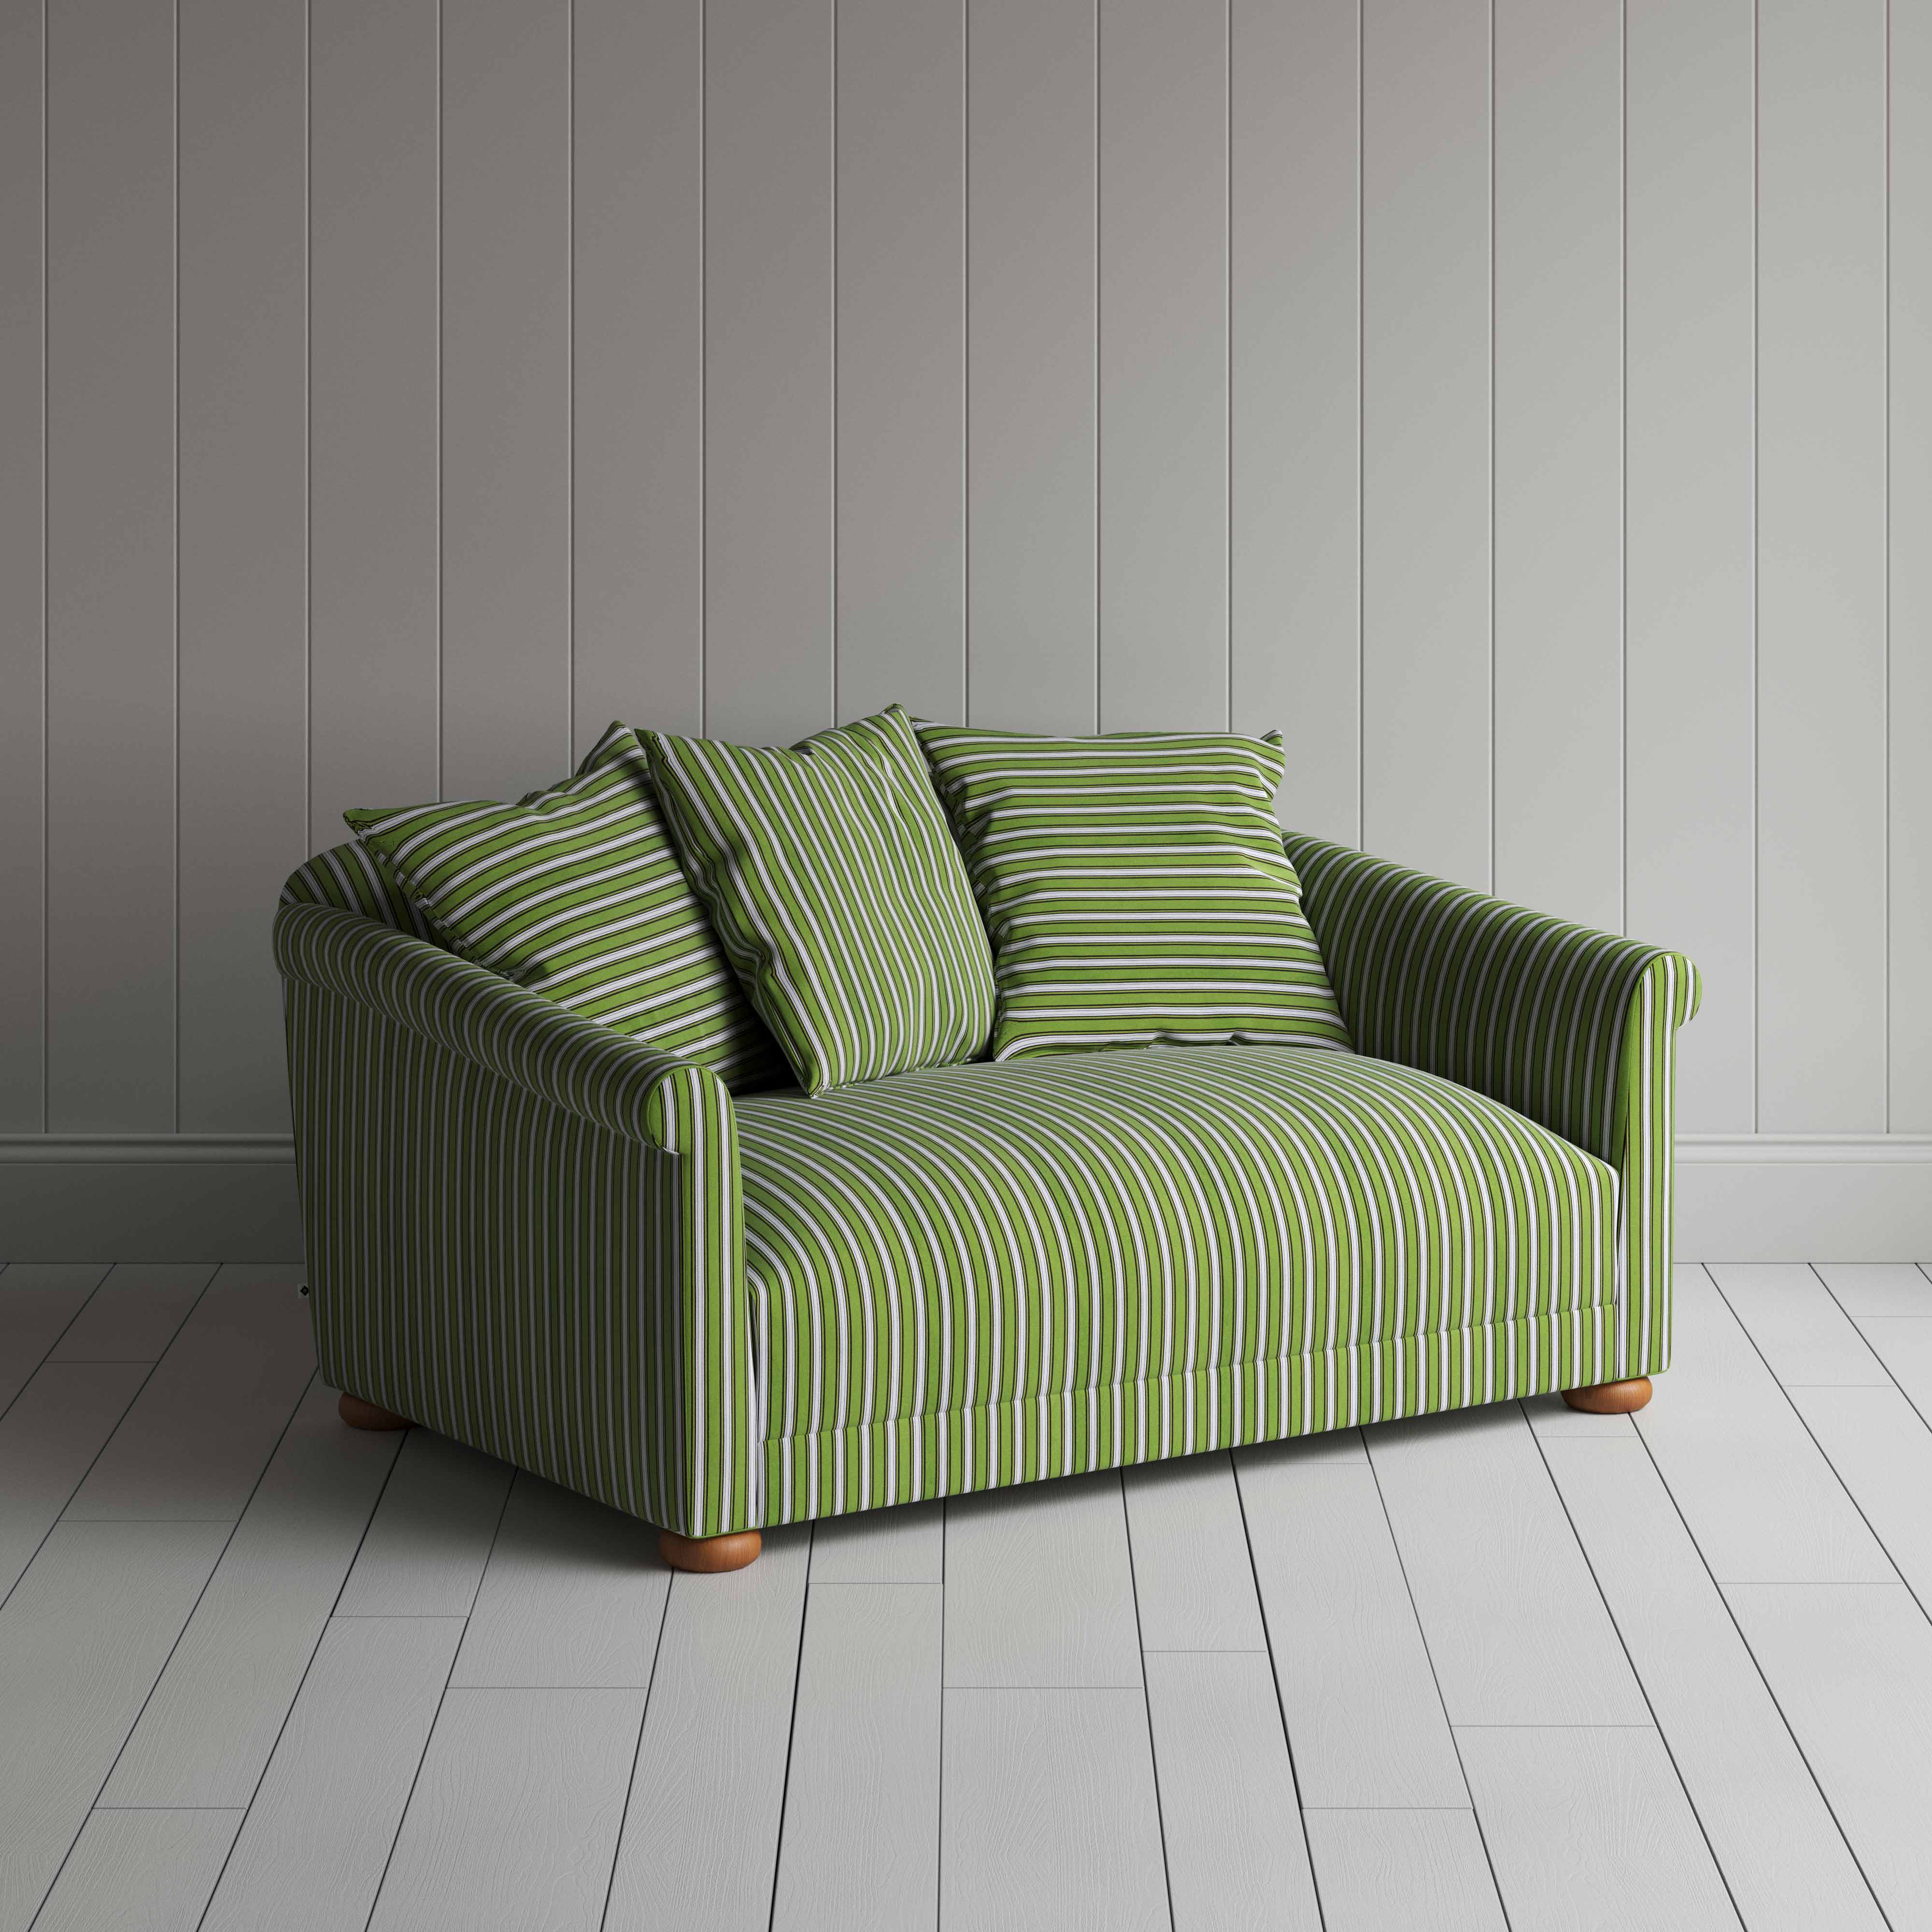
pixel 838 893
pixel 1136 889
pixel 576 892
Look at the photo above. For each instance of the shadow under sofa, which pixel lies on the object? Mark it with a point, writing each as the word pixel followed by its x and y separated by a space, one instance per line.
pixel 718 1314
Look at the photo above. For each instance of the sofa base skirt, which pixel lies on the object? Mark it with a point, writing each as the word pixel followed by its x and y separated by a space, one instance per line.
pixel 872 1465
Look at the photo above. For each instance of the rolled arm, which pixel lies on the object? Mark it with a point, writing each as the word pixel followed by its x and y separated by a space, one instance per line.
pixel 1574 1028
pixel 1532 1011
pixel 523 1230
pixel 605 1078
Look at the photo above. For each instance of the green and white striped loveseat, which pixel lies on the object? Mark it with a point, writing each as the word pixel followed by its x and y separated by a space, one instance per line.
pixel 718 1313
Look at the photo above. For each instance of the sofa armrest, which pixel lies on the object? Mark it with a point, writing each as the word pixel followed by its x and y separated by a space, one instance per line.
pixel 1531 1010
pixel 1574 1028
pixel 523 1229
pixel 605 1078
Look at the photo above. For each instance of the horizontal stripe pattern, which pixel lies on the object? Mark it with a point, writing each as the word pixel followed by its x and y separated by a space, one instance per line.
pixel 576 892
pixel 1136 890
pixel 978 1236
pixel 838 894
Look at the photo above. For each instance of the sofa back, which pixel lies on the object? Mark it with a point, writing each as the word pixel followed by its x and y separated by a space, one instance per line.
pixel 351 876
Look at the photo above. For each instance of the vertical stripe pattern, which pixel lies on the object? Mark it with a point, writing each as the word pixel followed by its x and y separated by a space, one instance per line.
pixel 1135 888
pixel 548 1240
pixel 839 894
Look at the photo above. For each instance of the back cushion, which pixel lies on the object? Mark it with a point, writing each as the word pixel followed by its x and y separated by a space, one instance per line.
pixel 1136 889
pixel 576 892
pixel 838 893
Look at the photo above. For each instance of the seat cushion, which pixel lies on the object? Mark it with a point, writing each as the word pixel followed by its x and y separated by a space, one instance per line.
pixel 953 1238
pixel 1136 889
pixel 833 882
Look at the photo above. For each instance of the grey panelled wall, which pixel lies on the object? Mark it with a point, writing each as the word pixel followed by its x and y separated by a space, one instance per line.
pixel 1524 404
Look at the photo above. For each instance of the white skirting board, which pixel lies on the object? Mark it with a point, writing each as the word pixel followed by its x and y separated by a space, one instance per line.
pixel 197 1197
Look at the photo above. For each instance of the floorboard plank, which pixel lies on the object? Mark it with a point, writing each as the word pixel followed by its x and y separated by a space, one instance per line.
pixel 1806 1339
pixel 48 1439
pixel 140 1871
pixel 206 1734
pixel 1588 1827
pixel 1422 1870
pixel 906 1545
pixel 430 1539
pixel 1774 1837
pixel 1881 1291
pixel 1757 1493
pixel 1040 1587
pixel 700 1842
pixel 1364 1713
pixel 1882 1449
pixel 1049 1818
pixel 82 1640
pixel 859 1851
pixel 1904 1345
pixel 1191 1575
pixel 513 1824
pixel 1237 1860
pixel 38 1301
pixel 1332 1445
pixel 198 1435
pixel 1551 1415
pixel 312 1850
pixel 573 1596
pixel 1851 1667
pixel 1516 1628
pixel 134 1315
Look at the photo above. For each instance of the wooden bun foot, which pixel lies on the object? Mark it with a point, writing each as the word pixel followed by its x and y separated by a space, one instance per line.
pixel 1610 1398
pixel 708 1556
pixel 360 1414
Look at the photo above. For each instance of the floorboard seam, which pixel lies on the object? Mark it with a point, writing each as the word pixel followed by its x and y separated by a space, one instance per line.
pixel 1281 1708
pixel 1421 1631
pixel 637 1753
pixel 1770 1690
pixel 1636 1677
pixel 1147 1700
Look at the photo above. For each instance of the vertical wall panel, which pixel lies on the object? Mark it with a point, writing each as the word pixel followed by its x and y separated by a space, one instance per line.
pixel 1426 473
pixel 902 325
pixel 506 709
pixel 768 375
pixel 22 655
pixel 637 388
pixel 1163 365
pixel 243 726
pixel 1688 565
pixel 372 358
pixel 1032 608
pixel 1910 488
pixel 1295 583
pixel 1558 457
pixel 110 547
pixel 1821 566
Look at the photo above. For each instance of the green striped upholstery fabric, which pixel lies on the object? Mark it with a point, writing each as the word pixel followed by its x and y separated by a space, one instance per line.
pixel 835 885
pixel 1136 890
pixel 521 1226
pixel 964 1241
pixel 532 1234
pixel 353 877
pixel 576 892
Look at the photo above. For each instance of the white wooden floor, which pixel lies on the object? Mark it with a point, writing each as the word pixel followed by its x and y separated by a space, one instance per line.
pixel 1514 1668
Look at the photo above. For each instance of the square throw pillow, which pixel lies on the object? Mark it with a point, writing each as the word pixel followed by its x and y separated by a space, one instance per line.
pixel 576 893
pixel 1136 889
pixel 834 883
